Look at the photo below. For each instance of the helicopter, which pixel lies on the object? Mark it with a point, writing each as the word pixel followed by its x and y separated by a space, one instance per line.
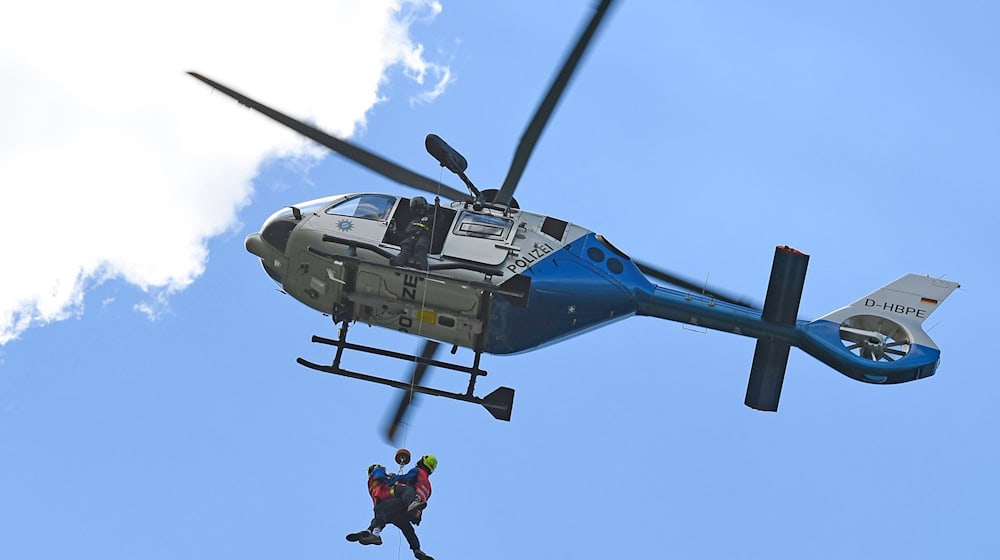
pixel 500 279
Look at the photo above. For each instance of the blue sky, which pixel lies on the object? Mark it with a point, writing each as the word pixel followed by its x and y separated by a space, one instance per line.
pixel 695 136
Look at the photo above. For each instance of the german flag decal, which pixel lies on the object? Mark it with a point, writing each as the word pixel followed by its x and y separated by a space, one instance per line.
pixel 928 300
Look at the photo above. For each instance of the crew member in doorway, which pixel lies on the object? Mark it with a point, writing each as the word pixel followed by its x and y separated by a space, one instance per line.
pixel 417 236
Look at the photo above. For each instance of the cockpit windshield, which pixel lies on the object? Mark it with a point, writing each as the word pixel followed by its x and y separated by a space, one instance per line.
pixel 278 226
pixel 308 207
pixel 365 206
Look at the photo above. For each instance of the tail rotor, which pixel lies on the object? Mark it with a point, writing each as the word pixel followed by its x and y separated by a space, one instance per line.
pixel 875 338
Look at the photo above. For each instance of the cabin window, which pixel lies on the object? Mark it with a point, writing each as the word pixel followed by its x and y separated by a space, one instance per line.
pixel 554 228
pixel 366 207
pixel 483 225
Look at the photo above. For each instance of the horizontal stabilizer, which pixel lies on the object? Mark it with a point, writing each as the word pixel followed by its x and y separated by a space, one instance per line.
pixel 767 373
pixel 784 289
pixel 781 306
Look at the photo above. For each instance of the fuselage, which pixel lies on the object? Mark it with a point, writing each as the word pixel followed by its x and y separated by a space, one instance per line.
pixel 515 280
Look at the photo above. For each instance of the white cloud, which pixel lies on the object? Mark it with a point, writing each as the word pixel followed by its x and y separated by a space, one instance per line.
pixel 155 305
pixel 116 164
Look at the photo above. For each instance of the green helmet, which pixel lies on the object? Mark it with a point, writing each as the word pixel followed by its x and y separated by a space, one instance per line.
pixel 430 462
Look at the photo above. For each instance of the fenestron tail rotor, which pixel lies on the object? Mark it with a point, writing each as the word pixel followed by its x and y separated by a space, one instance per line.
pixel 355 153
pixel 548 104
pixel 875 338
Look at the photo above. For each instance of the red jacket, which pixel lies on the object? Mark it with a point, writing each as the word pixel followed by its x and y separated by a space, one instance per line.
pixel 420 480
pixel 423 485
pixel 378 487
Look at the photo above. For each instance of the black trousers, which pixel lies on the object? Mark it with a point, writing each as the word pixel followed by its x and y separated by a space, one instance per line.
pixel 406 493
pixel 393 511
pixel 413 250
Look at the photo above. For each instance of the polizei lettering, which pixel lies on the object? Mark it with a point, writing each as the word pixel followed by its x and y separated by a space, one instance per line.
pixel 530 258
pixel 896 308
pixel 409 294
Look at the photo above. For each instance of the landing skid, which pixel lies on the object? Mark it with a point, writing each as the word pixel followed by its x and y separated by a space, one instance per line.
pixel 498 403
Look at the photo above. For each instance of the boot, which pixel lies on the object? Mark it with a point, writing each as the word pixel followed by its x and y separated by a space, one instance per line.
pixel 416 505
pixel 355 537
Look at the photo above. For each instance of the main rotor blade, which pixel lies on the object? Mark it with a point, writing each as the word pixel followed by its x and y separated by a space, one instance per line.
pixel 675 280
pixel 544 111
pixel 357 154
pixel 419 369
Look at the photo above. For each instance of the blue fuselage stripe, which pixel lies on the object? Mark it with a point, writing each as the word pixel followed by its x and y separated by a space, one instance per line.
pixel 579 287
pixel 586 284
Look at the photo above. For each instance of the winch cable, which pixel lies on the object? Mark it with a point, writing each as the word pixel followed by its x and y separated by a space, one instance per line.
pixel 419 318
pixel 423 298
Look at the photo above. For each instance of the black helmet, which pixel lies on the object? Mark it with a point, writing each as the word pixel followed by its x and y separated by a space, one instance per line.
pixel 418 204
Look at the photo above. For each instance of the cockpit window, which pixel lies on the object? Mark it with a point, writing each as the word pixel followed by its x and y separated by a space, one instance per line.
pixel 365 206
pixel 483 225
pixel 278 227
pixel 306 208
pixel 313 206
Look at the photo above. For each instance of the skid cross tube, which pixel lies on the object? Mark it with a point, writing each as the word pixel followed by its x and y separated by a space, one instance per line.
pixel 390 382
pixel 498 403
pixel 344 345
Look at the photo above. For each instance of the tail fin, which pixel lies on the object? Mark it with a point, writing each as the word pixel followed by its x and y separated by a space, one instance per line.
pixel 880 338
pixel 908 301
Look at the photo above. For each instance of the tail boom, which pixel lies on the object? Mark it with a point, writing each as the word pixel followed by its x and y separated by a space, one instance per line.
pixel 877 339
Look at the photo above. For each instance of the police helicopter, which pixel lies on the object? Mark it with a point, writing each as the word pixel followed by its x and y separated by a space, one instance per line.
pixel 499 279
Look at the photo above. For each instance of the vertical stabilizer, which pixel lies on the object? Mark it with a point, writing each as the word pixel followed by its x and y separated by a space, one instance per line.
pixel 908 302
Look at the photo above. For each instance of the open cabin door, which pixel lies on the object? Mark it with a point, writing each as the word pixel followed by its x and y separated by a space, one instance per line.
pixel 478 237
pixel 401 219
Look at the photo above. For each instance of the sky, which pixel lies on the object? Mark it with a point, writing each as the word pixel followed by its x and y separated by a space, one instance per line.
pixel 150 403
